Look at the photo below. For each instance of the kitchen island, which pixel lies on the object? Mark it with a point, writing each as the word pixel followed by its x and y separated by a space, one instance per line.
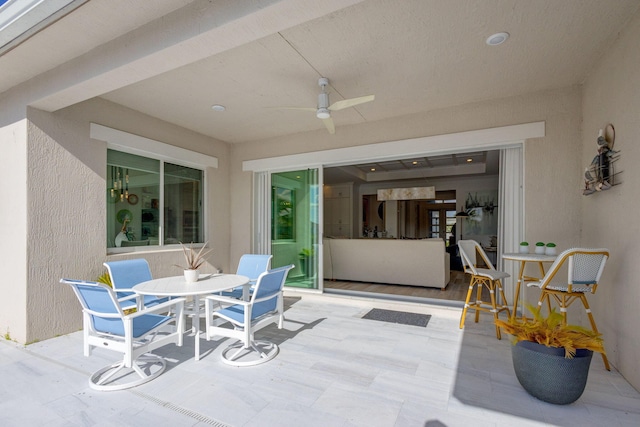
pixel 394 261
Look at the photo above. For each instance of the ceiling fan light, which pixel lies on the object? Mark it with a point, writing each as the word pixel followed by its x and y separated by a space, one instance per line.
pixel 323 113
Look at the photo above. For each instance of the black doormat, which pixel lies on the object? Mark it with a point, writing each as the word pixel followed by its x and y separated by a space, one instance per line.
pixel 401 317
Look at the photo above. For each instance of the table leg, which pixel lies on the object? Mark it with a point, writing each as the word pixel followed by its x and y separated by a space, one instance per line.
pixel 517 294
pixel 542 273
pixel 196 325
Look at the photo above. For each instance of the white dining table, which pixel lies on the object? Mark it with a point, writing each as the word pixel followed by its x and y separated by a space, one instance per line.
pixel 177 286
pixel 523 259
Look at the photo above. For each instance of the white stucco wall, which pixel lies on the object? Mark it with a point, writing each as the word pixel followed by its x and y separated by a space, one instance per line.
pixel 552 174
pixel 552 164
pixel 66 204
pixel 64 218
pixel 612 95
pixel 13 229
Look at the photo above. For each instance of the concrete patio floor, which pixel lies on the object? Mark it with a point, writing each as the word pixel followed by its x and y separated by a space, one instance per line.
pixel 334 369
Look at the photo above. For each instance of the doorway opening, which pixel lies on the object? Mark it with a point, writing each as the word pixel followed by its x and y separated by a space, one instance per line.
pixel 507 143
pixel 456 187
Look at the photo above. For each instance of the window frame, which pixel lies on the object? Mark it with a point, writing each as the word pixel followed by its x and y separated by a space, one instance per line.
pixel 165 153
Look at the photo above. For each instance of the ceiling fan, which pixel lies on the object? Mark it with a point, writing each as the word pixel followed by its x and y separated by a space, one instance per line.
pixel 323 110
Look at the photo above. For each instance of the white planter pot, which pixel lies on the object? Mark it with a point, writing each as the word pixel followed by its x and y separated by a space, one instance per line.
pixel 524 249
pixel 540 250
pixel 550 251
pixel 191 276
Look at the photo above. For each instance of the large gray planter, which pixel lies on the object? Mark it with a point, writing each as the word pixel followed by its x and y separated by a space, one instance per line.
pixel 546 374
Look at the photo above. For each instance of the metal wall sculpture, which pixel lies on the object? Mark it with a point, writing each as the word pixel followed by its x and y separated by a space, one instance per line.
pixel 600 175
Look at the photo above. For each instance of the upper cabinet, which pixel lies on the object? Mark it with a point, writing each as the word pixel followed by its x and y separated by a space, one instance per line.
pixel 338 210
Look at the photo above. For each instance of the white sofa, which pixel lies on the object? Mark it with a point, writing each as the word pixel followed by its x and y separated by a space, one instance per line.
pixel 402 262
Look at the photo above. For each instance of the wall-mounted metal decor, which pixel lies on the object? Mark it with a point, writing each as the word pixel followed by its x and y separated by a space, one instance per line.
pixel 600 175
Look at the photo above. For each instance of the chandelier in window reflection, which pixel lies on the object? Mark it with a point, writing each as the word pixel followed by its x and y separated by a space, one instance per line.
pixel 120 188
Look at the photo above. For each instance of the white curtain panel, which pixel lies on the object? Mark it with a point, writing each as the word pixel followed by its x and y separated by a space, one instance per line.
pixel 262 213
pixel 511 212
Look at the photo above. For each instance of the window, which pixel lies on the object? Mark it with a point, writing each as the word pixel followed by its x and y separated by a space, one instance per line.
pixel 152 202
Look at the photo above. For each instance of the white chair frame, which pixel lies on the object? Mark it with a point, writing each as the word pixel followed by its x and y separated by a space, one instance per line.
pixel 244 331
pixel 134 350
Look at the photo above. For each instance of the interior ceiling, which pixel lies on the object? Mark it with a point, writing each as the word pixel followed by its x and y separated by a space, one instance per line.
pixel 413 55
pixel 443 165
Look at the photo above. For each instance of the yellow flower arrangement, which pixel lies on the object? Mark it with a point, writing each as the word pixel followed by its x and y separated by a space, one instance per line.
pixel 552 332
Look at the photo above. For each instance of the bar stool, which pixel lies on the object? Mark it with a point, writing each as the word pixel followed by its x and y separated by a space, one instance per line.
pixel 487 277
pixel 585 267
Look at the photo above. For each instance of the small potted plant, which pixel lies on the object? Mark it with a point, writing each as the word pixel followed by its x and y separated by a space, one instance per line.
pixel 193 262
pixel 550 249
pixel 551 359
pixel 105 278
pixel 540 246
pixel 524 247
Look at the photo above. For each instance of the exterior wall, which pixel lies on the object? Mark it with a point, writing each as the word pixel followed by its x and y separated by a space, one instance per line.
pixel 611 96
pixel 13 228
pixel 66 207
pixel 64 221
pixel 552 165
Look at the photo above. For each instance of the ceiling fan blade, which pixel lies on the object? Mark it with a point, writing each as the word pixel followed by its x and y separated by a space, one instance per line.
pixel 352 102
pixel 328 123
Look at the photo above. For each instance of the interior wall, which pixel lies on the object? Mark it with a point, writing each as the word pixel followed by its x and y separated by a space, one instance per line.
pixel 66 205
pixel 461 185
pixel 611 96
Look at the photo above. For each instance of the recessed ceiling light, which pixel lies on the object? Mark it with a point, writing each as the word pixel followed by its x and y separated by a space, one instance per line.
pixel 497 39
pixel 373 169
pixel 218 107
pixel 414 163
pixel 469 160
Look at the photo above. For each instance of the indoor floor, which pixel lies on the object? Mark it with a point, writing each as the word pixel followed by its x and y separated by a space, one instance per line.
pixel 456 290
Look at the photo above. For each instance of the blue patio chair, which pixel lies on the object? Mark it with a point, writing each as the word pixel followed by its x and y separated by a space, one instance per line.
pixel 134 335
pixel 264 308
pixel 126 274
pixel 250 265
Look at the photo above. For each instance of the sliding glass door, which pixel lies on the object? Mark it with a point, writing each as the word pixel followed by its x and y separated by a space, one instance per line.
pixel 295 215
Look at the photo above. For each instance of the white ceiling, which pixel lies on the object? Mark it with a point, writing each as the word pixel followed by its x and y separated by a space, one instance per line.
pixel 414 55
